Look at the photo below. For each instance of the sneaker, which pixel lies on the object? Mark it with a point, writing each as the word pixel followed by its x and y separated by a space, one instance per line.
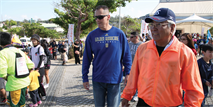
pixel 33 105
pixel 39 102
pixel 43 98
pixel 46 85
pixel 3 101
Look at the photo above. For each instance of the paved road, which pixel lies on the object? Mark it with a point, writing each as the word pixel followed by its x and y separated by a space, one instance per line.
pixel 66 87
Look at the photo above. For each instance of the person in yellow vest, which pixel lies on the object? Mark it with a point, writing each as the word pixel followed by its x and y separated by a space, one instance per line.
pixel 16 85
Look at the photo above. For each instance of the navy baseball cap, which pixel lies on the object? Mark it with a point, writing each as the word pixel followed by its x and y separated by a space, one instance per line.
pixel 162 15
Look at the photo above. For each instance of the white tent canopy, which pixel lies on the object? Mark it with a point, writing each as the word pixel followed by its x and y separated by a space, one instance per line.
pixel 195 20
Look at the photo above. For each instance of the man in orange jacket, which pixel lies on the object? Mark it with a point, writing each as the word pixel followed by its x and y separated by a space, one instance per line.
pixel 163 67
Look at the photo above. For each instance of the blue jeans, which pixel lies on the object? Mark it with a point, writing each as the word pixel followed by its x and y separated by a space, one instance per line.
pixel 106 90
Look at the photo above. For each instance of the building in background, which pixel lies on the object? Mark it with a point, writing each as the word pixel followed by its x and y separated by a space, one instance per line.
pixel 186 8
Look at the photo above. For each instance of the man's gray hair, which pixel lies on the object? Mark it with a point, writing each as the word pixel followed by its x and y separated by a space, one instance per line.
pixel 172 23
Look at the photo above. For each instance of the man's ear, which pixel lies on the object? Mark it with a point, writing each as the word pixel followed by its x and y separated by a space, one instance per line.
pixel 172 28
pixel 108 17
pixel 202 52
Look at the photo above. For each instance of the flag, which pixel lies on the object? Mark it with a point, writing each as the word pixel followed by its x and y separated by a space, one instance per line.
pixel 144 29
pixel 70 34
pixel 208 36
pixel 16 40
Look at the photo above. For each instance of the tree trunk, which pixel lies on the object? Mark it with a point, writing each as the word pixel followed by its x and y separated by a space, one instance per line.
pixel 78 31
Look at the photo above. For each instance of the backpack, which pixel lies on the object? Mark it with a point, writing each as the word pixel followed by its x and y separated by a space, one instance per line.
pixel 44 57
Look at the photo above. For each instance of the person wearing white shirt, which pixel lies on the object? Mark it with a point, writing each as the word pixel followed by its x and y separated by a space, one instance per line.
pixel 37 54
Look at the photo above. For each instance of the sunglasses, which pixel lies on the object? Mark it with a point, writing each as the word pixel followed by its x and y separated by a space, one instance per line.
pixel 100 17
pixel 132 36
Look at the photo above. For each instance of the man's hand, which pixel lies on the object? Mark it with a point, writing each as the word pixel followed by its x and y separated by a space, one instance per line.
pixel 125 80
pixel 86 85
pixel 125 103
pixel 208 84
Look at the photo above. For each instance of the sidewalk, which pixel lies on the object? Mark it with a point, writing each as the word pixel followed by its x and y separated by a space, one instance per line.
pixel 66 87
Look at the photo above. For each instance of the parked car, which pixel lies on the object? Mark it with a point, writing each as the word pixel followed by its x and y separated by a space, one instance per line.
pixel 26 41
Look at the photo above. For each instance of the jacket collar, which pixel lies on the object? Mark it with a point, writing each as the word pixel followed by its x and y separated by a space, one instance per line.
pixel 172 46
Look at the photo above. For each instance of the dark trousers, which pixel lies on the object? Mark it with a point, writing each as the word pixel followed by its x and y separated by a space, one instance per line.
pixel 77 60
pixel 34 96
pixel 41 90
pixel 141 103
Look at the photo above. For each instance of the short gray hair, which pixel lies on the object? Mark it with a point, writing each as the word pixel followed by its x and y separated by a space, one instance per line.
pixel 172 23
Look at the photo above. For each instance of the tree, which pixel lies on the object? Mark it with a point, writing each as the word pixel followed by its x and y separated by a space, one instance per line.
pixel 81 12
pixel 127 22
pixel 9 23
pixel 14 30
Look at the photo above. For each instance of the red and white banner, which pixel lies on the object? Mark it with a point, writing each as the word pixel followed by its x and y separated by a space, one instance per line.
pixel 144 29
pixel 70 34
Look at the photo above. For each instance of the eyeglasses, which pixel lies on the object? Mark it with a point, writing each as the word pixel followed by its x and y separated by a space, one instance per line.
pixel 157 25
pixel 132 36
pixel 183 39
pixel 100 17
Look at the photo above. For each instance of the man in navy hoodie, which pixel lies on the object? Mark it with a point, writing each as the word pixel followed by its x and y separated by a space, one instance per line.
pixel 206 69
pixel 111 51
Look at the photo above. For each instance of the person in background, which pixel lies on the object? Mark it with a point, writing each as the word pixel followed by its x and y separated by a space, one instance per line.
pixel 63 52
pixel 206 68
pixel 59 48
pixel 37 53
pixel 201 42
pixel 44 44
pixel 186 38
pixel 54 46
pixel 29 47
pixel 16 86
pixel 3 94
pixel 133 46
pixel 77 51
pixel 33 87
pixel 111 52
pixel 163 67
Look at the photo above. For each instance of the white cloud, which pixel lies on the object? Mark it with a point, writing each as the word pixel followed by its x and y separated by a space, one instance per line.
pixel 6 17
pixel 24 17
pixel 36 17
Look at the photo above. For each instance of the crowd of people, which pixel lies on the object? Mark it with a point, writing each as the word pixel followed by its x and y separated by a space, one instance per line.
pixel 159 69
pixel 24 69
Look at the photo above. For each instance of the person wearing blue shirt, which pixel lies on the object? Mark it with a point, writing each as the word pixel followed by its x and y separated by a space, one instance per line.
pixel 110 49
pixel 206 69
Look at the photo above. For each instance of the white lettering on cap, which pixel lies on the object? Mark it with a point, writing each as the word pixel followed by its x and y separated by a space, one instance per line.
pixel 170 17
pixel 157 12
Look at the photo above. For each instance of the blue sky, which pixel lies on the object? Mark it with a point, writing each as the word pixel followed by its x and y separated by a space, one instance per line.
pixel 19 10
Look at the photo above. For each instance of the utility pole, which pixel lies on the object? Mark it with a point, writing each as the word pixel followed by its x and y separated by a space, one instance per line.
pixel 119 17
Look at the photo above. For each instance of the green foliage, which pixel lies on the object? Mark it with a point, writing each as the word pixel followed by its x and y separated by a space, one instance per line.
pixel 36 28
pixel 14 30
pixel 9 23
pixel 129 24
pixel 81 14
pixel 1 29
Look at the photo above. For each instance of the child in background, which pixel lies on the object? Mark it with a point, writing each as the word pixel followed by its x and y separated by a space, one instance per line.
pixel 33 87
pixel 205 68
pixel 50 49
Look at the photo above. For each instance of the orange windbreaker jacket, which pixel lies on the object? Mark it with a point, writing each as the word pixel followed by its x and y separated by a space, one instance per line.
pixel 160 80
